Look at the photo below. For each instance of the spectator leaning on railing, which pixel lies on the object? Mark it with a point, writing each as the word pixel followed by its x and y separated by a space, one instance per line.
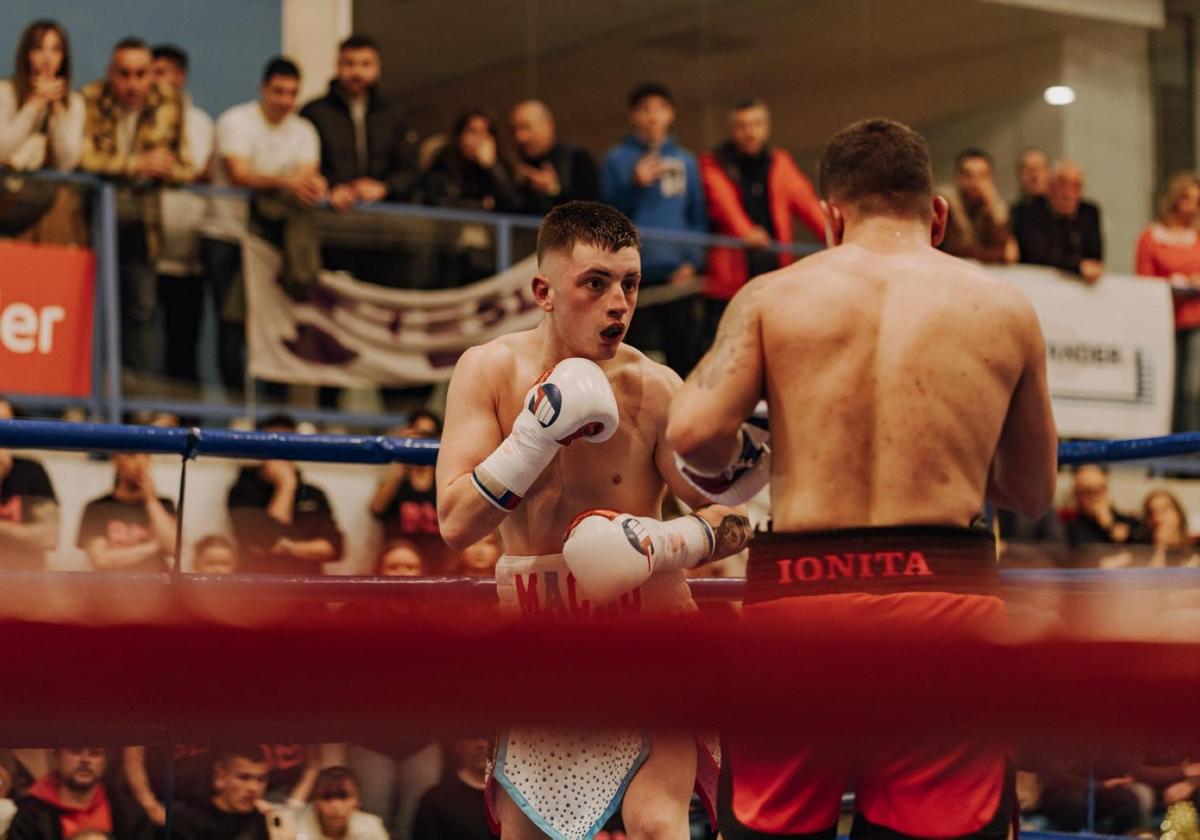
pixel 978 224
pixel 1165 527
pixel 131 529
pixel 1062 230
pixel 41 126
pixel 1170 248
pixel 262 145
pixel 41 119
pixel 654 181
pixel 469 173
pixel 368 155
pixel 181 280
pixel 28 510
pixel 135 130
pixel 368 152
pixel 282 525
pixel 1033 175
pixel 754 190
pixel 549 172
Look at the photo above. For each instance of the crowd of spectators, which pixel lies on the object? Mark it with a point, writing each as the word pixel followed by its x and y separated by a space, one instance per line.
pixel 279 522
pixel 231 792
pixel 305 166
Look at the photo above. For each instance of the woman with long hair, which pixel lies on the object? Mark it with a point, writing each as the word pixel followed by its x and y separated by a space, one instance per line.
pixel 41 118
pixel 1166 528
pixel 1169 248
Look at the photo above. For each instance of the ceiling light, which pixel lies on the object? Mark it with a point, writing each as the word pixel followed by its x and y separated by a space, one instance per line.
pixel 1059 95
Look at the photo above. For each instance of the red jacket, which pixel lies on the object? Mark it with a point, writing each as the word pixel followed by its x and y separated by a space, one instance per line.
pixel 791 194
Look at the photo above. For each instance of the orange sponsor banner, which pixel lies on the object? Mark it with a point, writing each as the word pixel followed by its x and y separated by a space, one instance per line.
pixel 46 303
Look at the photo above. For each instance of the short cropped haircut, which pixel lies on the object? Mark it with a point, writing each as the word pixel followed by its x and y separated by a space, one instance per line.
pixel 130 42
pixel 358 42
pixel 587 222
pixel 175 55
pixel 972 153
pixel 648 89
pixel 224 756
pixel 880 165
pixel 280 66
pixel 748 103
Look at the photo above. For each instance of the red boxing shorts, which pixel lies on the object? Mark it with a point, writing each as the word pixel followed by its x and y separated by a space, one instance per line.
pixel 886 580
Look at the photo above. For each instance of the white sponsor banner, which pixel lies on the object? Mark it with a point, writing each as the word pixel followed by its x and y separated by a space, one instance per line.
pixel 1110 346
pixel 1110 351
pixel 353 334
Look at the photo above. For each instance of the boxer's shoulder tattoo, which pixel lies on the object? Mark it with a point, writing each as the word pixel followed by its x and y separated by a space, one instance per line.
pixel 735 345
pixel 731 534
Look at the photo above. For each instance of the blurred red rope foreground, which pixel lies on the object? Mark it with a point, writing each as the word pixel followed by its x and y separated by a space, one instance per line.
pixel 187 666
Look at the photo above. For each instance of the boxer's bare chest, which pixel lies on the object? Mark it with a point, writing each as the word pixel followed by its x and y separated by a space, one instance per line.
pixel 618 474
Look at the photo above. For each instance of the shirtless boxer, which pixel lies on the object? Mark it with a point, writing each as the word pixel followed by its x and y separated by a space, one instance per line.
pixel 904 387
pixel 542 428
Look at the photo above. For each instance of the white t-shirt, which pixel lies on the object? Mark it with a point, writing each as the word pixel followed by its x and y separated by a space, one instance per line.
pixel 200 136
pixel 243 132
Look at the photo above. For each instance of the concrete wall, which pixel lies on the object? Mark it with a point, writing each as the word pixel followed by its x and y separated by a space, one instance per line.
pixel 1109 130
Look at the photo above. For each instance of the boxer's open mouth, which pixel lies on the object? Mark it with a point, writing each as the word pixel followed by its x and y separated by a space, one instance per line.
pixel 612 331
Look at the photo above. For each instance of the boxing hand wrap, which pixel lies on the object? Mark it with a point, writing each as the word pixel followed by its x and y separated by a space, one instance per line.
pixel 571 400
pixel 610 553
pixel 748 472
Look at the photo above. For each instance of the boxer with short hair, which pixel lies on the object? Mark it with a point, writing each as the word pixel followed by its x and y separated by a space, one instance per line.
pixel 904 387
pixel 556 436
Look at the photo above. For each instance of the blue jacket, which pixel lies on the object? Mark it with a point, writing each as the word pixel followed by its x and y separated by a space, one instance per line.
pixel 672 203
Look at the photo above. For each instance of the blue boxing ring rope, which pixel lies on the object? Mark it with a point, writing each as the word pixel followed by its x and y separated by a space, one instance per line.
pixel 188 444
pixel 381 449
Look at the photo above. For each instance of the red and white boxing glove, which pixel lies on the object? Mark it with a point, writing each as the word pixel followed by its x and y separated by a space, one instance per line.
pixel 571 400
pixel 610 553
pixel 745 475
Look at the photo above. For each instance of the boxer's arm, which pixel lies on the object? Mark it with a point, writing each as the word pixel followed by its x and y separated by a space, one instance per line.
pixel 469 434
pixel 1024 470
pixel 730 525
pixel 721 392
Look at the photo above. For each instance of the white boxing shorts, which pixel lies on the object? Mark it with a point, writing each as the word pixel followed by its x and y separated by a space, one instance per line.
pixel 570 782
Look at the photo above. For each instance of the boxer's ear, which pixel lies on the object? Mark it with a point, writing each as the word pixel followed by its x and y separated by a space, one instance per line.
pixel 835 224
pixel 541 292
pixel 941 212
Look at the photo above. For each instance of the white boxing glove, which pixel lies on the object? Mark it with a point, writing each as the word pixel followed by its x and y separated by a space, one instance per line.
pixel 571 400
pixel 748 472
pixel 610 553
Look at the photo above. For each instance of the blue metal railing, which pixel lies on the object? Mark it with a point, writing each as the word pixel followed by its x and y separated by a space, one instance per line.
pixel 108 399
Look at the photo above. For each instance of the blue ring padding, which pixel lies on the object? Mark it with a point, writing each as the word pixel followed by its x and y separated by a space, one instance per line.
pixel 1132 449
pixel 378 449
pixel 108 437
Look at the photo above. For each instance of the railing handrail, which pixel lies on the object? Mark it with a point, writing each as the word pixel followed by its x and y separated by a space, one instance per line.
pixel 426 211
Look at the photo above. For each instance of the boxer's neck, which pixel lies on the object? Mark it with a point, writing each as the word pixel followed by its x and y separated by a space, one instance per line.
pixel 887 233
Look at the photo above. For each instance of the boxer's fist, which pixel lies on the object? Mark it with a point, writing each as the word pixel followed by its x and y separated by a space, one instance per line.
pixel 748 472
pixel 610 553
pixel 571 400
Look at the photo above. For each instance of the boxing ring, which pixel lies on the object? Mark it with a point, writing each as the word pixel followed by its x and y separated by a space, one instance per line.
pixel 153 658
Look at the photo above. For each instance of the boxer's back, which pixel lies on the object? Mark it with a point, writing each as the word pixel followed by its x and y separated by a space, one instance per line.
pixel 889 377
